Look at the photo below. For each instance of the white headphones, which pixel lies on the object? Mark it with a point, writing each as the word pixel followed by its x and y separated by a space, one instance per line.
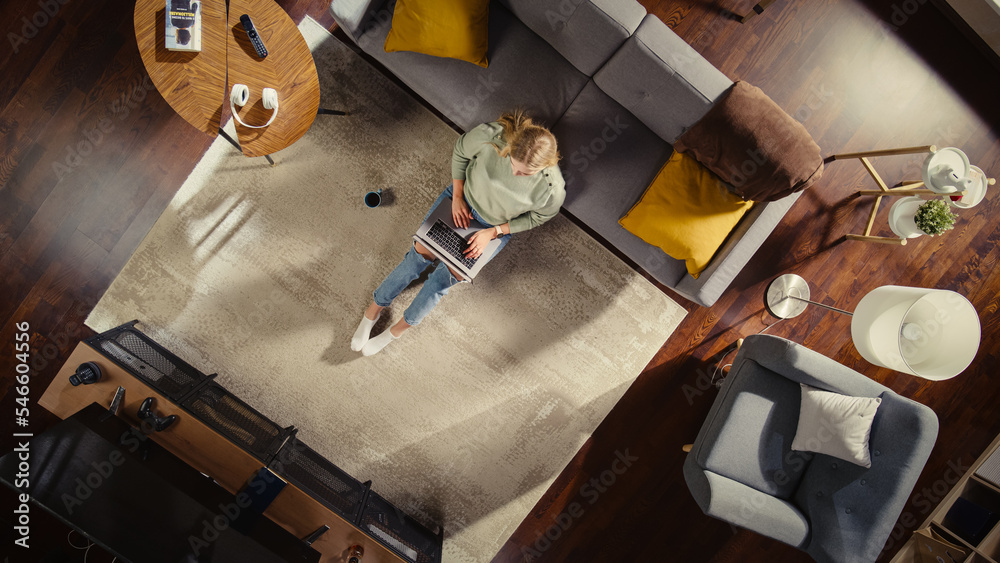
pixel 240 95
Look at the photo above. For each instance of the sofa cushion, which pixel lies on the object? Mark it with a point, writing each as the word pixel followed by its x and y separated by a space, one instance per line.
pixel 736 252
pixel 609 158
pixel 749 439
pixel 443 28
pixel 836 425
pixel 754 145
pixel 687 211
pixel 469 95
pixel 586 32
pixel 852 509
pixel 661 79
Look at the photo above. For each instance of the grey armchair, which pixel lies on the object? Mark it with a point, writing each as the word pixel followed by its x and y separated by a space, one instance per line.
pixel 742 470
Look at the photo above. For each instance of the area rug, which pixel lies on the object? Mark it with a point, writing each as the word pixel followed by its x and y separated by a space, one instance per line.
pixel 261 274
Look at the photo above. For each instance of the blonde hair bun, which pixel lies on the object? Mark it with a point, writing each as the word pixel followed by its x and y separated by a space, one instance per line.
pixel 527 142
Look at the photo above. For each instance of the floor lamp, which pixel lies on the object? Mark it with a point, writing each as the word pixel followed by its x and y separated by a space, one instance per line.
pixel 930 333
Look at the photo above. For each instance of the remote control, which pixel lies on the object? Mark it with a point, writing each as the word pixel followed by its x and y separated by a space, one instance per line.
pixel 258 45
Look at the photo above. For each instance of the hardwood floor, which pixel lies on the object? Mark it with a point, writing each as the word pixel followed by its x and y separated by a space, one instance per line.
pixel 92 155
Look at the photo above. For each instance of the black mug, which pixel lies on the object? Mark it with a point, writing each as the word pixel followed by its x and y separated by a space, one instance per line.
pixel 373 199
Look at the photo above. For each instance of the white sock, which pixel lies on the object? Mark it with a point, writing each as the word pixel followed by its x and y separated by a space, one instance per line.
pixel 375 345
pixel 364 330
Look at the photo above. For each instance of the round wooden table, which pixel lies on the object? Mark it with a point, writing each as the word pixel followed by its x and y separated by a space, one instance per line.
pixel 195 86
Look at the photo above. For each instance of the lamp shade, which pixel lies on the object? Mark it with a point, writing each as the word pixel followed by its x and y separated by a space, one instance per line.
pixel 930 333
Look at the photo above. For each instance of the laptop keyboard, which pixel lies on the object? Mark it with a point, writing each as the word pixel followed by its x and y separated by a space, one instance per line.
pixel 451 242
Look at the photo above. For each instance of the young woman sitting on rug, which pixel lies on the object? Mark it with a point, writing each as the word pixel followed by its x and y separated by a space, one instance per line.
pixel 505 180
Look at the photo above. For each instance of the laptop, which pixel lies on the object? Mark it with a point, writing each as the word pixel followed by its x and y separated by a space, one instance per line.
pixel 448 242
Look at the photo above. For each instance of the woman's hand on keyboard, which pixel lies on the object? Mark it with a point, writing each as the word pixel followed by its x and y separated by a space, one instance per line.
pixel 478 242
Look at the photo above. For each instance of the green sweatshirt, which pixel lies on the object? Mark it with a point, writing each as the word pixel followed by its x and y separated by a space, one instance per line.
pixel 492 188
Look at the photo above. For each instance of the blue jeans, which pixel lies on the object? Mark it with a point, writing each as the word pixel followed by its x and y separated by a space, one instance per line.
pixel 413 264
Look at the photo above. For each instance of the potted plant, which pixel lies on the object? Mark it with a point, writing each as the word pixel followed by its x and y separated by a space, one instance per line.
pixel 911 217
pixel 934 217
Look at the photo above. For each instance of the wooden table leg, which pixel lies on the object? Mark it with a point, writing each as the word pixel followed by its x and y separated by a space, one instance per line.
pixel 905 189
pixel 231 140
pixel 237 145
pixel 883 240
pixel 886 152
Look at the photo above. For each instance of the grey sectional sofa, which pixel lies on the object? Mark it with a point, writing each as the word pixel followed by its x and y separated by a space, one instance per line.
pixel 616 86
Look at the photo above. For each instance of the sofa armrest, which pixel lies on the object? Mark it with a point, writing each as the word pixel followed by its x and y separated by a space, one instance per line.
pixel 746 507
pixel 353 15
pixel 735 252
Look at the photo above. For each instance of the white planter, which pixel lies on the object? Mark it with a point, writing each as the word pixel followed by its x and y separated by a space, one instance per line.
pixel 901 217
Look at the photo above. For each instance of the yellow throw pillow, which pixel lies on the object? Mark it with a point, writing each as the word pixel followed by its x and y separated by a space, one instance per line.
pixel 687 211
pixel 456 29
